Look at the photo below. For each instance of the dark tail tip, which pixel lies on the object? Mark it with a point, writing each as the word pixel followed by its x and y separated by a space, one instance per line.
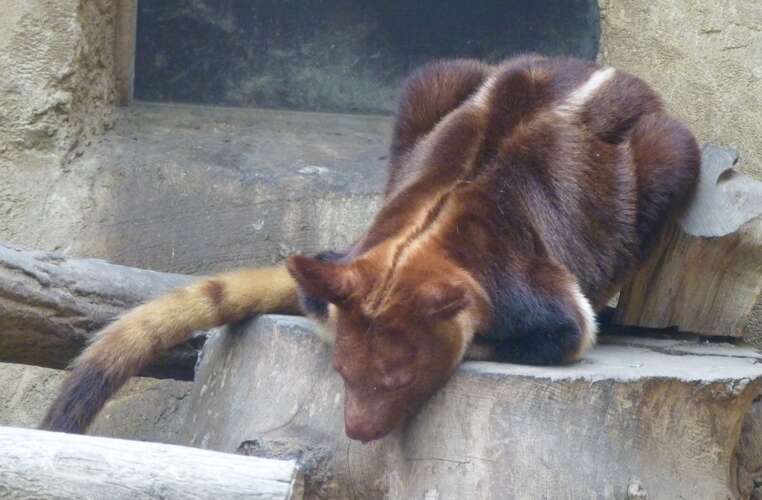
pixel 82 395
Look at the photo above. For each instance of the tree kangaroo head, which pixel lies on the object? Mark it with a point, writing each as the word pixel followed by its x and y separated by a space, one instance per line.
pixel 398 333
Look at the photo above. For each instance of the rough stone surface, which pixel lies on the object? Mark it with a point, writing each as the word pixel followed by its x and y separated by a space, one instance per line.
pixel 705 58
pixel 51 306
pixel 753 329
pixel 195 189
pixel 145 409
pixel 57 85
pixel 191 190
pixel 750 453
pixel 654 416
pixel 56 91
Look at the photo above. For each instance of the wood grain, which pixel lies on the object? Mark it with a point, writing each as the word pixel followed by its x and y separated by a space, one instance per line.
pixel 706 275
pixel 40 464
pixel 50 306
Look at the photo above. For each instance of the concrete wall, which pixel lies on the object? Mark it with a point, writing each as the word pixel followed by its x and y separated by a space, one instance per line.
pixel 57 95
pixel 57 84
pixel 56 91
pixel 705 57
pixel 146 409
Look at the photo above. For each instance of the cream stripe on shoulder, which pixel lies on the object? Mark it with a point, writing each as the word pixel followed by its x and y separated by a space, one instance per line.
pixel 582 94
pixel 481 98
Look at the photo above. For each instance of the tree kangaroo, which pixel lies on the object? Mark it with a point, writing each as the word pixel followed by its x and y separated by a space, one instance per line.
pixel 520 196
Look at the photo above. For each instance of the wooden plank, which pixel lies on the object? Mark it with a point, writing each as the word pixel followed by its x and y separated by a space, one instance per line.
pixel 126 27
pixel 41 464
pixel 706 275
pixel 662 413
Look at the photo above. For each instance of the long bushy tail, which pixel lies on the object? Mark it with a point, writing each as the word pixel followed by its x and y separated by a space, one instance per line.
pixel 124 347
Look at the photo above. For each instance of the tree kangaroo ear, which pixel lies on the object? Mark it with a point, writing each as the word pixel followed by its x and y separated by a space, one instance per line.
pixel 321 279
pixel 542 317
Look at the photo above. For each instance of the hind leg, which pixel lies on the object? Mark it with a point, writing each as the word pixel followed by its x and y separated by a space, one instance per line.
pixel 541 318
pixel 667 161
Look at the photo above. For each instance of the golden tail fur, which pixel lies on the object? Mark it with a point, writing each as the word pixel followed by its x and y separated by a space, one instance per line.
pixel 127 345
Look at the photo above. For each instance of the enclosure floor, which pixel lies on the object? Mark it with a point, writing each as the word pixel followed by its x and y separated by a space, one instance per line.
pixel 195 188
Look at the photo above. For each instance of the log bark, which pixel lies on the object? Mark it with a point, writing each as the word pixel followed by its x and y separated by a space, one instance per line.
pixel 50 306
pixel 658 415
pixel 705 276
pixel 40 464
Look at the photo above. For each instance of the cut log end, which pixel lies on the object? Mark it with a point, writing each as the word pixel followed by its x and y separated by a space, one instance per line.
pixel 705 274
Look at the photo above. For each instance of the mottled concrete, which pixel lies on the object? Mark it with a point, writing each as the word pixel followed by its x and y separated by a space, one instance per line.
pixel 57 82
pixel 195 189
pixel 146 409
pixel 192 190
pixel 704 57
pixel 750 454
pixel 660 416
pixel 56 92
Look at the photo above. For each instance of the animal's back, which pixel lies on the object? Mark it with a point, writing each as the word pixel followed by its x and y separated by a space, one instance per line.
pixel 540 155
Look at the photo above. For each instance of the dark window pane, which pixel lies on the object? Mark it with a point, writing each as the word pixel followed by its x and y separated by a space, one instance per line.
pixel 335 55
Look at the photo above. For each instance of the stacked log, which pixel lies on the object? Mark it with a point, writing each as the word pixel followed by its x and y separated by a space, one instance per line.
pixel 705 276
pixel 40 464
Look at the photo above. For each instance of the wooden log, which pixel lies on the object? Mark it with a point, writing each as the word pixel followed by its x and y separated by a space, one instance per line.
pixel 126 28
pixel 660 415
pixel 40 464
pixel 50 306
pixel 706 275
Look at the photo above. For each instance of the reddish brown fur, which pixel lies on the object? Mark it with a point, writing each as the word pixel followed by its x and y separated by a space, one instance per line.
pixel 216 291
pixel 512 215
pixel 519 197
pixel 429 94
